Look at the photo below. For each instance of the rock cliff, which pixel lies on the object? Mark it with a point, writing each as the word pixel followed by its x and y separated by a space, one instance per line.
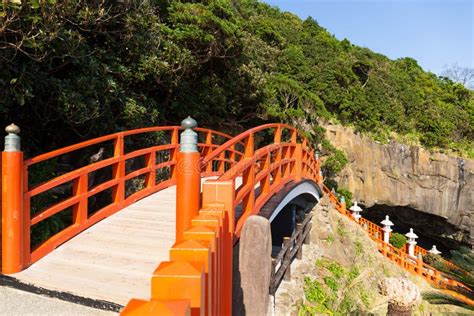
pixel 400 175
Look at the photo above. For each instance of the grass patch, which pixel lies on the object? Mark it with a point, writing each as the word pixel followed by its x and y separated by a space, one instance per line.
pixel 341 229
pixel 339 291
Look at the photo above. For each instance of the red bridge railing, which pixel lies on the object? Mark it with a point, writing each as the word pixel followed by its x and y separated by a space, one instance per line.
pixel 266 167
pixel 201 259
pixel 157 170
pixel 250 168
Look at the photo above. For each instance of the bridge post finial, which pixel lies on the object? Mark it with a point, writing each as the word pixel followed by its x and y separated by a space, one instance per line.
pixel 15 246
pixel 12 140
pixel 188 180
pixel 189 138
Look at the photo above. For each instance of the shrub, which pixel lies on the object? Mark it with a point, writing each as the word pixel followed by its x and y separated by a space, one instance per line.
pixel 398 240
pixel 330 296
pixel 347 196
pixel 435 261
pixel 335 162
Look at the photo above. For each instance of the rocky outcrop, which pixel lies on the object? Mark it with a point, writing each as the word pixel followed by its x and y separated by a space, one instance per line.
pixel 403 295
pixel 400 175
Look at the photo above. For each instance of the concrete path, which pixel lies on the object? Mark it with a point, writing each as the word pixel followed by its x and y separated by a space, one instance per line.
pixel 14 302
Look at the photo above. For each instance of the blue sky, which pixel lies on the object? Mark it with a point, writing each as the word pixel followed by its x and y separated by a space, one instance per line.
pixel 436 33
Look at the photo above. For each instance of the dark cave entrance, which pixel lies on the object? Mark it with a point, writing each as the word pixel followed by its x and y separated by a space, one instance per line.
pixel 431 229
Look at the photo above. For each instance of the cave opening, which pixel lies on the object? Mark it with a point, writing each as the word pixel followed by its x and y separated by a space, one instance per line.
pixel 431 229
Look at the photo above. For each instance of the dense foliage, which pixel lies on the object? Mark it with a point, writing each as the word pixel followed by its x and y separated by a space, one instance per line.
pixel 71 70
pixel 463 258
pixel 397 240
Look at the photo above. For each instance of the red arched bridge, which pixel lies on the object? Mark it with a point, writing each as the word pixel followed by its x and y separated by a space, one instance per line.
pixel 178 208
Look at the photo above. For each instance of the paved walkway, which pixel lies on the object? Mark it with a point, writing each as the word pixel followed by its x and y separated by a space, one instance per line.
pixel 14 302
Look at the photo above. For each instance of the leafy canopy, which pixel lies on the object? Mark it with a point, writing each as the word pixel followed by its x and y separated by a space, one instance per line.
pixel 87 68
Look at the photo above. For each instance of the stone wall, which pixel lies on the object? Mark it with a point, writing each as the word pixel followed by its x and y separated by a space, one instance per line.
pixel 402 175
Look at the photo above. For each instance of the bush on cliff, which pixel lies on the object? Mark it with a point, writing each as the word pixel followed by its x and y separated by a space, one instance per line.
pixel 398 240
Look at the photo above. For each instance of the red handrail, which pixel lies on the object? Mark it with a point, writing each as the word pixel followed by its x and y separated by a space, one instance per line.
pixel 78 201
pixel 241 139
pixel 268 168
pixel 213 231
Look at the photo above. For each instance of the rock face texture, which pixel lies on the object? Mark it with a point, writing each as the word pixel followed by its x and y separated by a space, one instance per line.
pixel 402 175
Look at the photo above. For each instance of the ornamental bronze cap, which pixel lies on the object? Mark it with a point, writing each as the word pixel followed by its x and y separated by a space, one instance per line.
pixel 12 129
pixel 188 122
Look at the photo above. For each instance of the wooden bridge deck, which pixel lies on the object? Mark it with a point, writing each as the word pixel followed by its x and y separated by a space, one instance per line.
pixel 114 259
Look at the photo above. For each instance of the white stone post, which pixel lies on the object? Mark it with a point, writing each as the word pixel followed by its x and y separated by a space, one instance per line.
pixel 411 242
pixel 387 224
pixel 434 251
pixel 355 209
